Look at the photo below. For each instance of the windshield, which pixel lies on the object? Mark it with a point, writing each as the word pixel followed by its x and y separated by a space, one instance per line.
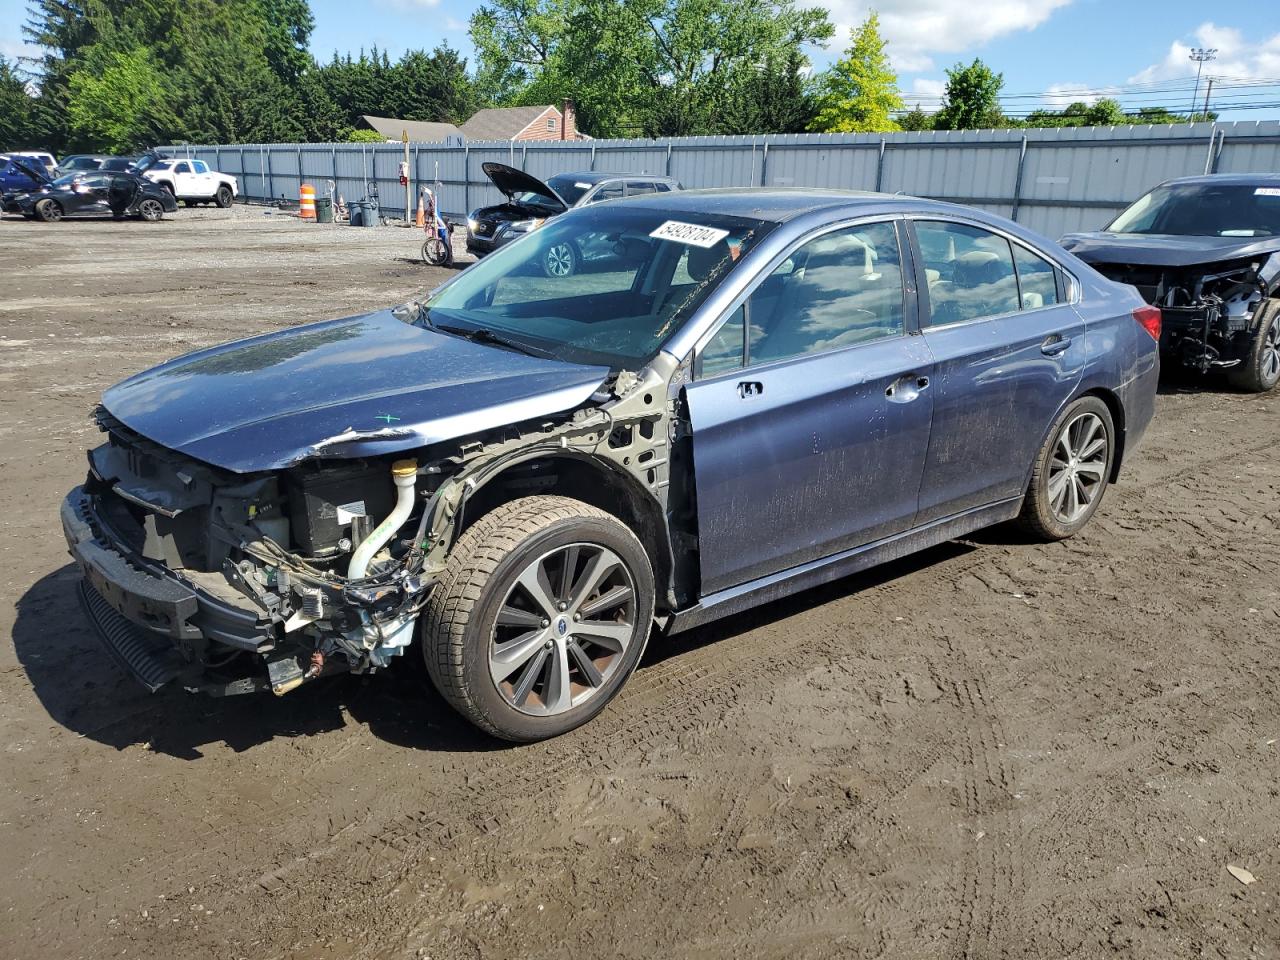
pixel 568 188
pixel 117 163
pixel 68 178
pixel 599 285
pixel 527 198
pixel 1204 210
pixel 81 163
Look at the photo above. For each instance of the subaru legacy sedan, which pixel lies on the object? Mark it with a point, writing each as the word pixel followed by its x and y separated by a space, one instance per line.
pixel 521 476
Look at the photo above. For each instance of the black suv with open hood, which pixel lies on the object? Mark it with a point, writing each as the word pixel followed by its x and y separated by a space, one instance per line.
pixel 1206 251
pixel 531 202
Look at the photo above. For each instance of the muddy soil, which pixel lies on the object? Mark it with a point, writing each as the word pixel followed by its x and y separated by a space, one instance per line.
pixel 993 749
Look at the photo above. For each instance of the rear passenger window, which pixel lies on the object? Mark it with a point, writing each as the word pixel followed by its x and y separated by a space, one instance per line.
pixel 636 188
pixel 840 289
pixel 1037 279
pixel 969 271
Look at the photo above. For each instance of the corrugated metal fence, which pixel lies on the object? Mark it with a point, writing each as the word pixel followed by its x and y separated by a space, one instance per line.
pixel 1054 180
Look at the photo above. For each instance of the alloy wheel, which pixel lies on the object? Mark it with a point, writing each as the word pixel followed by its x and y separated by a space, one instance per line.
pixel 1270 361
pixel 1077 472
pixel 560 260
pixel 562 629
pixel 150 210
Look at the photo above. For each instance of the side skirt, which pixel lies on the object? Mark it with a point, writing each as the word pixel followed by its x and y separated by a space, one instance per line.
pixel 816 573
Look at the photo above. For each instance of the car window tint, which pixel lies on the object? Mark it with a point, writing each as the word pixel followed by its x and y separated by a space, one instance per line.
pixel 636 188
pixel 724 350
pixel 610 191
pixel 182 168
pixel 969 272
pixel 663 187
pixel 837 290
pixel 199 166
pixel 1036 279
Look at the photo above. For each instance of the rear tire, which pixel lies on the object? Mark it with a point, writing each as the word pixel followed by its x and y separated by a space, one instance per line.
pixel 1260 370
pixel 223 197
pixel 526 663
pixel 1071 471
pixel 151 210
pixel 50 211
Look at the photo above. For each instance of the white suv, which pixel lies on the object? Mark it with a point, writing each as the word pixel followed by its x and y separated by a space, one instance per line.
pixel 192 182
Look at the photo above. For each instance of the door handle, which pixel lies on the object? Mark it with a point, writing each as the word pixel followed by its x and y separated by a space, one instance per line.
pixel 906 388
pixel 750 388
pixel 1055 345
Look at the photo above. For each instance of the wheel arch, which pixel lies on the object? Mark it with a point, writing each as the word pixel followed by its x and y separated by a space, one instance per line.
pixel 592 480
pixel 1114 406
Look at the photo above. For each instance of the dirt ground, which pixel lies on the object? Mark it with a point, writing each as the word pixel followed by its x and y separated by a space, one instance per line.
pixel 993 749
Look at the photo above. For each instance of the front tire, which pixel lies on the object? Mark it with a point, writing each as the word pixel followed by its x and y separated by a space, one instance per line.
pixel 541 615
pixel 561 260
pixel 1260 370
pixel 1071 471
pixel 50 211
pixel 223 197
pixel 151 210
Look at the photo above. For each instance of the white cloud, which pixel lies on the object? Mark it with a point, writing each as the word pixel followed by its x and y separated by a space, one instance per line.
pixel 409 4
pixel 15 49
pixel 919 30
pixel 925 93
pixel 1061 95
pixel 1237 58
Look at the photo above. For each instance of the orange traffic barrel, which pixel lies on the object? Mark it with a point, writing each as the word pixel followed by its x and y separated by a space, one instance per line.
pixel 307 202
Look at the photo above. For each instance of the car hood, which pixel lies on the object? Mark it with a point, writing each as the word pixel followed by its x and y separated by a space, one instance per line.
pixel 363 386
pixel 1165 251
pixel 512 181
pixel 31 169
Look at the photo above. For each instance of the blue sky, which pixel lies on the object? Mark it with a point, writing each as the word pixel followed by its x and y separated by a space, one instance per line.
pixel 1067 49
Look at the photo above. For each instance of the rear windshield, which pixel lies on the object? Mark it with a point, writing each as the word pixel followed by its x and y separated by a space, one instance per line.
pixel 1204 210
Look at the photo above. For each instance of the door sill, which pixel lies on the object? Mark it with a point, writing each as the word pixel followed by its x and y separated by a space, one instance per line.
pixel 817 572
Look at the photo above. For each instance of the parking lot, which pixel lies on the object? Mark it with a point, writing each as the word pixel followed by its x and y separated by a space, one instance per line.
pixel 994 748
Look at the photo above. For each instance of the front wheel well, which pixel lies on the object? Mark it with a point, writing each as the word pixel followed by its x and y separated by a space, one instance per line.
pixel 601 485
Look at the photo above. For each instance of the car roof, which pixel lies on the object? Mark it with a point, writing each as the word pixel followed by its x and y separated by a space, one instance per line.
pixel 782 204
pixel 1231 179
pixel 599 176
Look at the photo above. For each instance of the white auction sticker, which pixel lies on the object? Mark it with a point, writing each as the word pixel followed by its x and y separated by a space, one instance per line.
pixel 690 233
pixel 1267 192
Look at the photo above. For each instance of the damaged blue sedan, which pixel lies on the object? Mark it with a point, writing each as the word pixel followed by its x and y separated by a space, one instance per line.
pixel 520 476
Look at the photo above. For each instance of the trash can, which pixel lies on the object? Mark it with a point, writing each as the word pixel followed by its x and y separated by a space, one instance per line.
pixel 324 209
pixel 369 216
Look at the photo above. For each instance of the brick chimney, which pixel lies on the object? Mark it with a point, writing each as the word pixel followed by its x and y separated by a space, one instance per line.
pixel 568 121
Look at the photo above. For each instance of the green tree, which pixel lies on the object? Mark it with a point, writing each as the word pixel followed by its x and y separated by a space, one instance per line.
pixel 363 136
pixel 652 67
pixel 916 119
pixel 116 107
pixel 972 99
pixel 776 98
pixel 860 90
pixel 17 108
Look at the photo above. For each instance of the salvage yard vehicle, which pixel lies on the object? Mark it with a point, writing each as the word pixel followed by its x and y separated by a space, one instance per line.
pixel 19 175
pixel 1206 251
pixel 192 182
pixel 523 474
pixel 530 203
pixel 97 194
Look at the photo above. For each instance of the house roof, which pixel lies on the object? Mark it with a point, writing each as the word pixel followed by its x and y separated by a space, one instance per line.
pixel 419 130
pixel 502 123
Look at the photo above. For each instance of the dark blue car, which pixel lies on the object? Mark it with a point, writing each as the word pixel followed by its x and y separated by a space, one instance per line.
pixel 522 474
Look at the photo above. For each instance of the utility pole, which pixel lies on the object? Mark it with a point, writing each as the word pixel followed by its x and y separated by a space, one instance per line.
pixel 1207 90
pixel 1200 56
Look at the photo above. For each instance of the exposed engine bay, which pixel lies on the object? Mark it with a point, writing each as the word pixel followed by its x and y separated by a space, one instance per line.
pixel 1208 309
pixel 322 567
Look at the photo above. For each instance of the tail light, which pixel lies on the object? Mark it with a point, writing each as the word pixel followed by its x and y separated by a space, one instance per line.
pixel 1149 317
